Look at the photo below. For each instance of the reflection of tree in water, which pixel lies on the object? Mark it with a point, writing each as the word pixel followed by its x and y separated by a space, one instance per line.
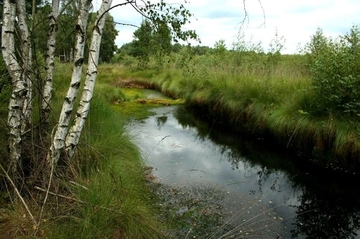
pixel 324 209
pixel 265 159
pixel 186 119
pixel 236 147
pixel 328 208
pixel 264 176
pixel 325 217
pixel 161 120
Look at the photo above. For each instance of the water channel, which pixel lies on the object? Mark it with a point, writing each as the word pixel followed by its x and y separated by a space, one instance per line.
pixel 265 192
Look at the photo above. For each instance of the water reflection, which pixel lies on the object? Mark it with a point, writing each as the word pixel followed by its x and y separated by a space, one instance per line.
pixel 320 216
pixel 310 202
pixel 161 120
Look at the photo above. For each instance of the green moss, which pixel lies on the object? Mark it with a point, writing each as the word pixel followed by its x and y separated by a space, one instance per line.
pixel 137 106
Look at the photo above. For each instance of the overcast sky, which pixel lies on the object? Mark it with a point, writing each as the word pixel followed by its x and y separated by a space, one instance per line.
pixel 296 21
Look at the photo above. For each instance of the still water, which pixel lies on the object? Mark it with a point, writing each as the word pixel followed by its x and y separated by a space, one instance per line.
pixel 260 180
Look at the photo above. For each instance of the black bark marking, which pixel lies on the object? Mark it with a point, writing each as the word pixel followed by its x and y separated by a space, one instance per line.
pixel 79 62
pixel 76 85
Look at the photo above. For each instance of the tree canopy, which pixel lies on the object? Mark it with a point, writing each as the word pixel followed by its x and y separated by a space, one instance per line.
pixel 66 32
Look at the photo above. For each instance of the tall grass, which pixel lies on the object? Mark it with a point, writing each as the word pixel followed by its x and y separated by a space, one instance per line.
pixel 102 193
pixel 117 202
pixel 263 95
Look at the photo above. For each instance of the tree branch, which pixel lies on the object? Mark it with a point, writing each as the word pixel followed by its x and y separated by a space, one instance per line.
pixel 115 6
pixel 126 24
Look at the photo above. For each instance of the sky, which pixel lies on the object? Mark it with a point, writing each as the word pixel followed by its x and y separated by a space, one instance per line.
pixel 295 21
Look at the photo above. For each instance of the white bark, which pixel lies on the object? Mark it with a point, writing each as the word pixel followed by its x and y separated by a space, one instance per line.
pixel 19 90
pixel 51 41
pixel 59 138
pixel 73 137
pixel 26 65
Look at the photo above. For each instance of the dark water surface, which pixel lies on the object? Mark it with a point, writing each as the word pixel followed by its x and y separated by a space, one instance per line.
pixel 263 186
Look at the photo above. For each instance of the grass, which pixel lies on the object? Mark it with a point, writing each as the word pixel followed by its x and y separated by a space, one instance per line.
pixel 103 192
pixel 274 98
pixel 118 201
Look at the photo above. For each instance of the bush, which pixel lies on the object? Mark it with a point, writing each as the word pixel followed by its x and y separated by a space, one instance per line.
pixel 335 69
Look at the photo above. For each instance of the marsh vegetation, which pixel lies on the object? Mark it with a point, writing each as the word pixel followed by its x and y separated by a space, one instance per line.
pixel 306 102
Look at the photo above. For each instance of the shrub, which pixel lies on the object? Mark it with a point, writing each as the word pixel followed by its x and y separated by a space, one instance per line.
pixel 335 69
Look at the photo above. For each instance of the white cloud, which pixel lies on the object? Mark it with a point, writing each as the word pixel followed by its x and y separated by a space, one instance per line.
pixel 295 20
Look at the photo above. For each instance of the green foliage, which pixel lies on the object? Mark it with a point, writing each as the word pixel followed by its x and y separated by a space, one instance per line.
pixel 151 39
pixel 185 61
pixel 176 47
pixel 163 45
pixel 66 32
pixel 274 52
pixel 108 46
pixel 163 25
pixel 143 42
pixel 161 12
pixel 65 36
pixel 41 27
pixel 246 53
pixel 335 68
pixel 220 47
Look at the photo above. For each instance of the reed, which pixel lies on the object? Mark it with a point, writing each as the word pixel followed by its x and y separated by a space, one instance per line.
pixel 264 95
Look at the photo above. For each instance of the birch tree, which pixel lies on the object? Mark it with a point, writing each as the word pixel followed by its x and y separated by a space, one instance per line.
pixel 73 137
pixel 18 70
pixel 50 55
pixel 26 61
pixel 58 143
pixel 65 138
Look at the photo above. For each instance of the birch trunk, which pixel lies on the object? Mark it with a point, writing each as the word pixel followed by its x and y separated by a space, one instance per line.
pixel 26 66
pixel 73 137
pixel 48 88
pixel 19 88
pixel 58 143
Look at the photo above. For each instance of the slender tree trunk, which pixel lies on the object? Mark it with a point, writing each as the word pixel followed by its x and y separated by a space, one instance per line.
pixel 73 137
pixel 19 87
pixel 50 55
pixel 26 65
pixel 58 143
